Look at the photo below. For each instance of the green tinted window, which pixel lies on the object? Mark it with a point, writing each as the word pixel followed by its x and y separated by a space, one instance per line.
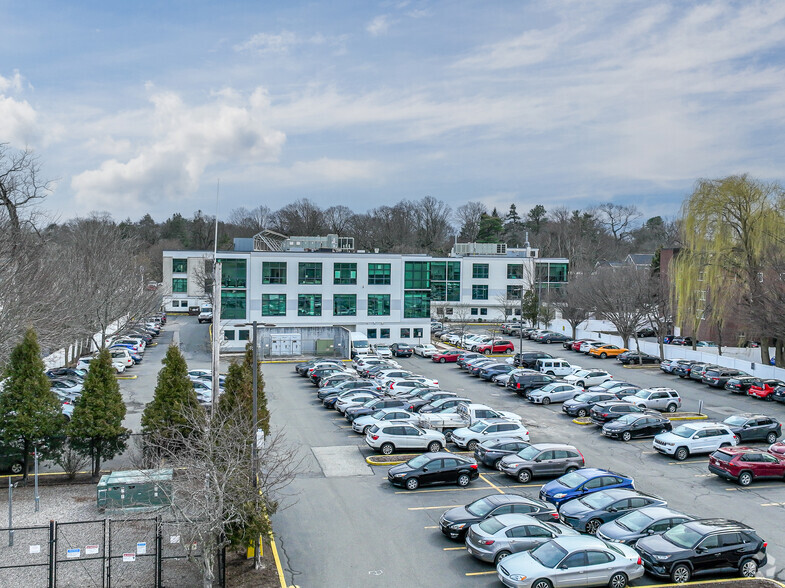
pixel 345 273
pixel 514 271
pixel 273 304
pixel 453 270
pixel 232 273
pixel 310 273
pixel 274 272
pixel 438 270
pixel 416 304
pixel 453 291
pixel 384 333
pixel 379 274
pixel 344 304
pixel 179 266
pixel 232 304
pixel 378 304
pixel 416 275
pixel 309 305
pixel 480 292
pixel 439 291
pixel 479 271
pixel 179 284
pixel 514 292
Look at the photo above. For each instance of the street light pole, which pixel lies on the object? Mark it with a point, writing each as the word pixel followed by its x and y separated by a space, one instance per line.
pixel 255 401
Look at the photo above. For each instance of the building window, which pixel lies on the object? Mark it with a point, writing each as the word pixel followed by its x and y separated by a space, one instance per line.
pixel 179 284
pixel 384 333
pixel 417 275
pixel 371 333
pixel 378 305
pixel 448 310
pixel 483 311
pixel 310 273
pixel 453 291
pixel 345 273
pixel 514 271
pixel 514 292
pixel 552 273
pixel 453 270
pixel 243 335
pixel 518 312
pixel 228 335
pixel 232 304
pixel 474 311
pixel 405 334
pixel 439 291
pixel 274 272
pixel 309 305
pixel 273 304
pixel 480 271
pixel 379 274
pixel 480 292
pixel 232 273
pixel 344 304
pixel 416 304
pixel 180 266
pixel 417 333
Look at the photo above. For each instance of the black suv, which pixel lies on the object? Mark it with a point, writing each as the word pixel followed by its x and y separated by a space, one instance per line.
pixel 705 546
pixel 605 412
pixel 528 359
pixel 754 427
pixel 524 383
pixel 401 349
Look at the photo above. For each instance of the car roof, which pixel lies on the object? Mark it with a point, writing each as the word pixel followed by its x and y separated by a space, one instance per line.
pixel 573 542
pixel 624 493
pixel 544 446
pixel 709 525
pixel 706 424
pixel 500 441
pixel 751 415
pixel 660 512
pixel 515 498
pixel 589 473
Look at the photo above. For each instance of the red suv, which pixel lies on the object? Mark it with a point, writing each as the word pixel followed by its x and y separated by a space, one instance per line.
pixel 764 389
pixel 497 347
pixel 745 464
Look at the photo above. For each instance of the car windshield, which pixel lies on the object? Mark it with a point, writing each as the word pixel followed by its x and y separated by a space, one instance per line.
pixel 682 536
pixel 371 403
pixel 583 397
pixel 548 387
pixel 529 452
pixel 548 554
pixel 378 414
pixel 635 521
pixel 581 374
pixel 597 500
pixel 572 480
pixel 478 427
pixel 491 526
pixel 735 421
pixel 418 461
pixel 684 431
pixel 642 393
pixel 627 419
pixel 480 507
pixel 428 396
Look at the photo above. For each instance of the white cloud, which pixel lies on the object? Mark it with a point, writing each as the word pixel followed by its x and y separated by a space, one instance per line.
pixel 13 84
pixel 379 25
pixel 19 121
pixel 185 140
pixel 324 170
pixel 269 42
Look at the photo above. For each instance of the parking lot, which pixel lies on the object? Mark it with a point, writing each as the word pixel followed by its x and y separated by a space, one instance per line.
pixel 347 526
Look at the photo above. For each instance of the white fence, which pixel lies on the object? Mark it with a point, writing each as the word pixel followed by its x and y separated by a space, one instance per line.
pixel 58 358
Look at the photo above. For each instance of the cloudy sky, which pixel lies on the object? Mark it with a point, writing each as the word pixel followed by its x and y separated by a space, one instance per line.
pixel 139 107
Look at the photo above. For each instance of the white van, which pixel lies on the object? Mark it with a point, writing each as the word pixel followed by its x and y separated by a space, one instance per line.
pixel 360 345
pixel 554 367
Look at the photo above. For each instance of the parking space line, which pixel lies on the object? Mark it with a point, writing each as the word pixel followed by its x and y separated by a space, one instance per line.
pixel 688 462
pixel 755 488
pixel 433 507
pixel 453 548
pixel 431 527
pixel 703 475
pixel 439 490
pixel 488 573
pixel 774 504
pixel 491 484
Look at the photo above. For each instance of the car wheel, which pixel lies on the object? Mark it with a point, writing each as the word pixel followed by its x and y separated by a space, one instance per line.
pixel 545 400
pixel 580 383
pixel 17 467
pixel 500 556
pixel 434 447
pixel 603 355
pixel 771 438
pixel 672 408
pixel 542 583
pixel 626 436
pixel 442 360
pixel 471 445
pixel 524 476
pixel 366 428
pixel 412 484
pixel 618 581
pixel 681 454
pixel 498 464
pixel 463 480
pixel 547 341
pixel 570 470
pixel 745 479
pixel 748 568
pixel 581 413
pixel 681 573
pixel 448 435
pixel 550 373
pixel 592 526
pixel 387 448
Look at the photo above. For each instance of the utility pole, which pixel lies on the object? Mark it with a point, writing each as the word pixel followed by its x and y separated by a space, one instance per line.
pixel 217 276
pixel 37 498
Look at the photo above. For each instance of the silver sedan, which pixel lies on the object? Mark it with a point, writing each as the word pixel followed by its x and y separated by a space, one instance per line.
pixel 571 561
pixel 555 392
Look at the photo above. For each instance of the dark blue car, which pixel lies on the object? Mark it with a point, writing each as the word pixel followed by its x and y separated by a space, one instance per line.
pixel 582 482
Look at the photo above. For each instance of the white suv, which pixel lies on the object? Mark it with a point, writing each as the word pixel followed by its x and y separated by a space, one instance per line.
pixel 380 418
pixel 662 399
pixel 482 430
pixel 695 437
pixel 388 437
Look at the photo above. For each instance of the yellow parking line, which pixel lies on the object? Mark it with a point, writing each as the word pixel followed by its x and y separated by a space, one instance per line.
pixel 754 488
pixel 488 573
pixel 431 527
pixel 491 484
pixel 432 507
pixel 688 462
pixel 438 490
pixel 453 548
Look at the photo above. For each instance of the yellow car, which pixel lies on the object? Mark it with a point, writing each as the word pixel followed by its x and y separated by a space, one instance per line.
pixel 604 351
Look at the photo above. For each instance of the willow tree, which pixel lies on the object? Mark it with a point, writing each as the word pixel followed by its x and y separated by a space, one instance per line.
pixel 729 225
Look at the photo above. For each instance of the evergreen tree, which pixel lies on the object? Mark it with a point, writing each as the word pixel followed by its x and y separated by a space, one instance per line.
pixel 536 219
pixel 491 229
pixel 238 390
pixel 96 428
pixel 513 217
pixel 530 310
pixel 173 393
pixel 30 413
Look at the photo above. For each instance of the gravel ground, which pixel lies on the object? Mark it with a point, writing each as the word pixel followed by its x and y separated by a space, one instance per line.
pixel 61 503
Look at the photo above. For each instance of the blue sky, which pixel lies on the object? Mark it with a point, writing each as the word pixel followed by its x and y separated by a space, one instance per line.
pixel 139 107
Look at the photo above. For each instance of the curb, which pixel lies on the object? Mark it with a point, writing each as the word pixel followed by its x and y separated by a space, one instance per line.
pixel 696 582
pixel 375 460
pixel 583 421
pixel 640 367
pixel 686 416
pixel 132 377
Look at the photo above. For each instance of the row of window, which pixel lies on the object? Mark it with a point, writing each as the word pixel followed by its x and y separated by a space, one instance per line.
pixel 311 305
pixel 405 333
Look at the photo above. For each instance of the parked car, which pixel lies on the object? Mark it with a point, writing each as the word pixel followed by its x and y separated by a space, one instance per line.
pixel 635 358
pixel 489 372
pixel 586 378
pixel 401 349
pixel 684 341
pixel 612 386
pixel 668 365
pixel 717 378
pixel 649 520
pixel 607 350
pixel 399 387
pixel 706 546
pixel 425 350
pixel 588 513
pixel 635 426
pixel 455 522
pixel 467 356
pixel 779 394
pixel 698 370
pixel 604 412
pixel 446 357
pixel 363 424
pixel 476 366
pixel 744 464
pixel 647 332
pixel 495 538
pixel 495 347
pixel 393 435
pixel 490 452
pixel 582 482
pixel 554 367
pixel 559 561
pixel 434 468
pixel 347 386
pixel 67 385
pixel 528 359
pixel 416 403
pixel 754 427
pixel 662 399
pixel 694 438
pixel 554 392
pixel 554 338
pixel 705 344
pixel 482 430
pixel 765 389
pixel 84 364
pixel 576 345
pixel 371 406
pixel 580 405
pixel 348 399
pixel 64 372
pixel 740 384
pixel 541 460
pixel 449 403
pixel 523 383
pixel 11 460
pixel 382 350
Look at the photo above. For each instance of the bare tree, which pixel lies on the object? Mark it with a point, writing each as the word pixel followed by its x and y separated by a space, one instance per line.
pixel 204 277
pixel 216 497
pixel 252 221
pixel 337 219
pixel 620 296
pixel 433 224
pixel 469 216
pixel 301 217
pixel 20 188
pixel 507 306
pixel 572 301
pixel 618 219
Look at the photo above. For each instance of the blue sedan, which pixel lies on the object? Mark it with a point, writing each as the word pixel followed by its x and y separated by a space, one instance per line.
pixel 582 482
